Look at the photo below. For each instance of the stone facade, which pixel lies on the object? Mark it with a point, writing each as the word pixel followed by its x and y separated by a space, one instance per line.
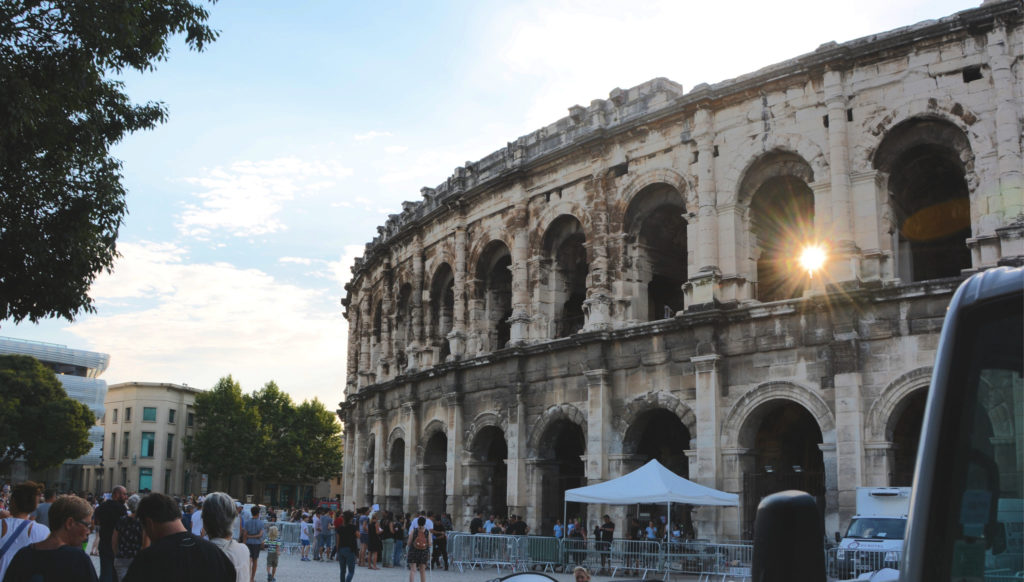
pixel 620 285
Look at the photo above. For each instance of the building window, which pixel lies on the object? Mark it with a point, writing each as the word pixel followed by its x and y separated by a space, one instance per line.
pixel 149 413
pixel 124 449
pixel 113 446
pixel 115 417
pixel 167 481
pixel 128 414
pixel 170 416
pixel 190 419
pixel 170 446
pixel 148 444
pixel 124 476
pixel 145 479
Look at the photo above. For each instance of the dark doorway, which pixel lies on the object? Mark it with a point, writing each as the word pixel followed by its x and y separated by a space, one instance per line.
pixel 563 446
pixel 396 474
pixel 435 474
pixel 906 432
pixel 489 471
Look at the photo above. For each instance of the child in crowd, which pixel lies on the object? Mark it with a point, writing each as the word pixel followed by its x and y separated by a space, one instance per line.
pixel 273 546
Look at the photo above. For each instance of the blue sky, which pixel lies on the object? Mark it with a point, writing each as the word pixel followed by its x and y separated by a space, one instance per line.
pixel 292 137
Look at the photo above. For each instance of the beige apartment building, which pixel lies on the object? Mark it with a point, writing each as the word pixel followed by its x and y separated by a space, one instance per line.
pixel 144 431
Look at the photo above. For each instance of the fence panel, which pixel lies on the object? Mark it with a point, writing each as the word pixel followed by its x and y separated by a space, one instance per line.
pixel 635 557
pixel 691 557
pixel 481 550
pixel 539 551
pixel 847 563
pixel 728 563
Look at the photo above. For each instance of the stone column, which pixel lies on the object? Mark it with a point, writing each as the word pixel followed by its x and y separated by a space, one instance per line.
pixel 704 277
pixel 597 307
pixel 832 507
pixel 457 336
pixel 416 341
pixel 349 469
pixel 878 458
pixel 849 445
pixel 387 316
pixel 453 465
pixel 366 323
pixel 376 421
pixel 357 492
pixel 870 235
pixel 736 462
pixel 704 465
pixel 842 265
pixel 1008 146
pixel 599 424
pixel 353 349
pixel 520 320
pixel 517 484
pixel 411 500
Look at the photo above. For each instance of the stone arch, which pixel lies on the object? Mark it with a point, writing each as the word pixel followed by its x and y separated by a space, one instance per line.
pixel 549 213
pixel 434 426
pixel 550 416
pixel 747 156
pixel 667 176
pixel 885 408
pixel 740 412
pixel 482 421
pixel 396 434
pixel 882 123
pixel 655 400
pixel 483 245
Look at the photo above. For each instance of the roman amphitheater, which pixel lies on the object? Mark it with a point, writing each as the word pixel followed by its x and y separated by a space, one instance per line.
pixel 622 285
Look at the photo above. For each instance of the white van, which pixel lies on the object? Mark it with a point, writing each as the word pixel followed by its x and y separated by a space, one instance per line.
pixel 874 539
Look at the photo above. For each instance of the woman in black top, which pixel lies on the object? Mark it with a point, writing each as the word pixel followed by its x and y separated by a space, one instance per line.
pixel 58 558
pixel 347 542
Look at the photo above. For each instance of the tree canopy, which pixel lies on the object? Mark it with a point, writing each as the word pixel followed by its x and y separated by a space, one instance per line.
pixel 39 422
pixel 61 196
pixel 264 435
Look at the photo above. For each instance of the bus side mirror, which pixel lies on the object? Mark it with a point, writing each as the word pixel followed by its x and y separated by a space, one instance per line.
pixel 789 540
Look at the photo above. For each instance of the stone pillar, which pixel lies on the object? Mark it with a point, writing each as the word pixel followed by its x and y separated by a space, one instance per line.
pixel 849 445
pixel 457 336
pixel 704 465
pixel 736 462
pixel 411 499
pixel 453 465
pixel 349 470
pixel 517 483
pixel 520 320
pixel 704 277
pixel 366 322
pixel 352 350
pixel 878 460
pixel 832 507
pixel 599 424
pixel 869 232
pixel 842 264
pixel 597 307
pixel 732 237
pixel 355 459
pixel 416 341
pixel 1008 146
pixel 384 369
pixel 376 421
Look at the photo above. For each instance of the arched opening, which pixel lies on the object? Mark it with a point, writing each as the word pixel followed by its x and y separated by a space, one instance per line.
pixel 442 310
pixel 783 439
pixel 488 471
pixel 494 292
pixel 566 256
pixel 396 474
pixel 655 221
pixel 906 431
pixel 435 474
pixel 928 194
pixel 562 448
pixel 659 434
pixel 370 467
pixel 378 321
pixel 403 326
pixel 782 221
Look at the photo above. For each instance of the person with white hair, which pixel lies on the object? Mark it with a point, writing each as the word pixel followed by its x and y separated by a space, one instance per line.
pixel 219 514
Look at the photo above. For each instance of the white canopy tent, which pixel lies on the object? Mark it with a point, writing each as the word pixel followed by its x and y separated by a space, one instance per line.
pixel 652 483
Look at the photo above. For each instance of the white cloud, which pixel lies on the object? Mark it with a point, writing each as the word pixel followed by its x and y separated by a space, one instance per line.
pixel 245 198
pixel 207 320
pixel 371 135
pixel 396 149
pixel 297 260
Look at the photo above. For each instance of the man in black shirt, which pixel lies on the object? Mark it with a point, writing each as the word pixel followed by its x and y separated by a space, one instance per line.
pixel 175 554
pixel 106 516
pixel 477 524
pixel 606 534
pixel 347 542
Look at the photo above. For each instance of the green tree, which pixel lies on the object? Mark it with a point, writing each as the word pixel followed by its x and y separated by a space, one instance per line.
pixel 61 196
pixel 279 449
pixel 39 422
pixel 320 442
pixel 223 442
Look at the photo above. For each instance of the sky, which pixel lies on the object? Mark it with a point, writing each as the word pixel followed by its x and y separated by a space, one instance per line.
pixel 295 134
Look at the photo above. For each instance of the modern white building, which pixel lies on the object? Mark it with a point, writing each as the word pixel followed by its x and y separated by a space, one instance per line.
pixel 79 371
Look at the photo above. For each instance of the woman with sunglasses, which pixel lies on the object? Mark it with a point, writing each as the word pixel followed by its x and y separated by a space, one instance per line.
pixel 58 558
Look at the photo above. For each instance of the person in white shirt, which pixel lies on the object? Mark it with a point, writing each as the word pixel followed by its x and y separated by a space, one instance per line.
pixel 197 521
pixel 18 530
pixel 220 515
pixel 413 525
pixel 305 531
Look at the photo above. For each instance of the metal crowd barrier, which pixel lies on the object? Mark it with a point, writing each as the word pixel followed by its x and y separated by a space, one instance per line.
pixel 729 563
pixel 482 550
pixel 848 563
pixel 288 535
pixel 636 558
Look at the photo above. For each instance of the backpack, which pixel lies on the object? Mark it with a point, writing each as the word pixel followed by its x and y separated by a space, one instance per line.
pixel 420 541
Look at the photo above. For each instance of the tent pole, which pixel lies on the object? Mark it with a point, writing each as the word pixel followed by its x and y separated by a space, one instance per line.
pixel 565 518
pixel 668 522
